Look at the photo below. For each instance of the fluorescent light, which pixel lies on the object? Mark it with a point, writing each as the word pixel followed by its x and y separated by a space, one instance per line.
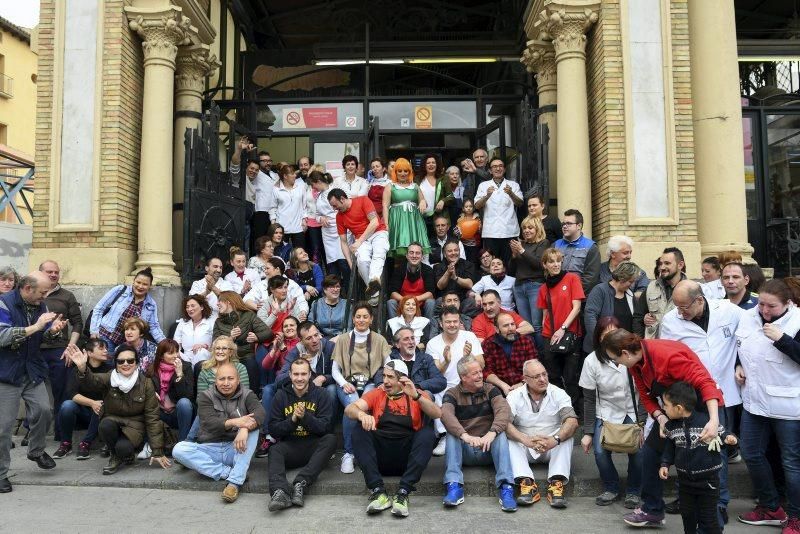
pixel 387 61
pixel 341 62
pixel 760 59
pixel 455 60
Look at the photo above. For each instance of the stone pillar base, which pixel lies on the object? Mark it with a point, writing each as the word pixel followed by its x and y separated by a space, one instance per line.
pixel 714 249
pixel 164 273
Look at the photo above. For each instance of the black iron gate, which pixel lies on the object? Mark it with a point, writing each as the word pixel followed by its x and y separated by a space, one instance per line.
pixel 214 207
pixel 535 177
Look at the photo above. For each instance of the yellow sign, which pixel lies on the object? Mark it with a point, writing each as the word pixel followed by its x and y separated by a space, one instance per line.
pixel 423 117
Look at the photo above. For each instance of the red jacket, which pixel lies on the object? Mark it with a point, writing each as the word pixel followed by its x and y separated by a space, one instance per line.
pixel 509 370
pixel 666 362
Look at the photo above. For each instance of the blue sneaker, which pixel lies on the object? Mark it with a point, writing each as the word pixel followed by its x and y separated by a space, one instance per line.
pixel 454 494
pixel 507 501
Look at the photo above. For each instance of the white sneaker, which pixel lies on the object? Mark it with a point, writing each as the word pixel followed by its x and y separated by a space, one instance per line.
pixel 347 463
pixel 145 453
pixel 441 446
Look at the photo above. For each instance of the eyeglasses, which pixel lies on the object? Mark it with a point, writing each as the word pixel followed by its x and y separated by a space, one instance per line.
pixel 266 161
pixel 496 166
pixel 536 377
pixel 123 361
pixel 567 223
pixel 687 306
pixel 222 349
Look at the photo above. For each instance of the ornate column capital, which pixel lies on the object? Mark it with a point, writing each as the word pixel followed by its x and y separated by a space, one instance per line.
pixel 539 57
pixel 566 23
pixel 194 64
pixel 161 30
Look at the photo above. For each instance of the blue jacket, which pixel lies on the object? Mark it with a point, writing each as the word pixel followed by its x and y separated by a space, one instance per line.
pixel 424 374
pixel 110 320
pixel 16 361
pixel 581 257
pixel 324 364
pixel 331 321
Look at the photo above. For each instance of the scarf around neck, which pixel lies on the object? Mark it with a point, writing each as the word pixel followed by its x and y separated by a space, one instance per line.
pixel 553 281
pixel 123 383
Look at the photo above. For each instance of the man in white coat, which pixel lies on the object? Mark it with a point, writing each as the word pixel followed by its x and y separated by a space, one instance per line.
pixel 708 327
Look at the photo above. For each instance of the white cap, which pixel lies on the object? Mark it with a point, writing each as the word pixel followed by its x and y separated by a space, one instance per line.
pixel 398 365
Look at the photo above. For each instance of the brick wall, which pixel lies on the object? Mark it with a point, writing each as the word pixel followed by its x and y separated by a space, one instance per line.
pixel 605 85
pixel 121 93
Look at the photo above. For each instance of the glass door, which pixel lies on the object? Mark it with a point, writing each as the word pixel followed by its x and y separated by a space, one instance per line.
pixel 328 151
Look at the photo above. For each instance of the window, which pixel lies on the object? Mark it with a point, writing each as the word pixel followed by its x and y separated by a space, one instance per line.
pixel 3 134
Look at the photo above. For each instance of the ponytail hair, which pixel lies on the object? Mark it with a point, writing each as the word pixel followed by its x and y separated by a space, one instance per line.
pixel 236 251
pixel 616 341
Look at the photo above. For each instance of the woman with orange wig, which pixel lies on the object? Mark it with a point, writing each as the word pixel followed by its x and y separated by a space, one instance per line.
pixel 403 203
pixel 409 315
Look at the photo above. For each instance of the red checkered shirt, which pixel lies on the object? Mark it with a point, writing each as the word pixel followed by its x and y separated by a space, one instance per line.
pixel 507 368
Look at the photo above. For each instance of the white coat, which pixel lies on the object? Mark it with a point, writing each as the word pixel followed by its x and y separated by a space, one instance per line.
pixel 715 348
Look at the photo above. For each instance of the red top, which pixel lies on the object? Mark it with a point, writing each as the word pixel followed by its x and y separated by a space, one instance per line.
pixel 355 219
pixel 561 297
pixel 412 289
pixel 376 400
pixel 666 362
pixel 375 194
pixel 483 327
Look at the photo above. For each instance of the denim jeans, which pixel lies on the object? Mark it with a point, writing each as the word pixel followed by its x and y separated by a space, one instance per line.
pixel 346 399
pixel 525 295
pixel 217 460
pixel 180 417
pixel 755 436
pixel 459 454
pixel 605 465
pixel 58 373
pixel 70 413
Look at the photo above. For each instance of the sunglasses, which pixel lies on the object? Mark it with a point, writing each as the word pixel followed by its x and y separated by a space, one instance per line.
pixel 123 361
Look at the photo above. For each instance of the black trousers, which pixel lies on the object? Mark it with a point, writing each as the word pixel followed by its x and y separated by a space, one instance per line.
pixel 499 247
pixel 297 240
pixel 699 505
pixel 253 372
pixel 111 433
pixel 310 454
pixel 405 457
pixel 258 227
pixel 564 370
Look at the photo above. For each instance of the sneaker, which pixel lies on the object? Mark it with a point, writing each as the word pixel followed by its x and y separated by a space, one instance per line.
pixel 348 463
pixel 441 446
pixel 528 492
pixel 454 494
pixel 43 461
pixel 83 451
pixel 640 518
pixel 113 465
pixel 606 498
pixel 555 494
pixel 373 287
pixel 723 512
pixel 400 504
pixel 64 449
pixel 632 501
pixel 280 501
pixel 507 501
pixel 378 501
pixel 673 507
pixel 792 526
pixel 262 451
pixel 764 516
pixel 230 493
pixel 298 493
pixel 145 453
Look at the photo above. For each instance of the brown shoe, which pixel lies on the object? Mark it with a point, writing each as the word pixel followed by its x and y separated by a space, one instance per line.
pixel 230 493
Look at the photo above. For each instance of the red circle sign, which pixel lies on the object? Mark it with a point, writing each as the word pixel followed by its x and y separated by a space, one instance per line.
pixel 293 117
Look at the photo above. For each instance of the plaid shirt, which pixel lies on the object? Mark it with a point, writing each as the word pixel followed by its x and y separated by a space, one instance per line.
pixel 118 335
pixel 508 369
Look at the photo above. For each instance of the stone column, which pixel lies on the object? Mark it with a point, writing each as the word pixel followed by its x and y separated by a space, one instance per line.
pixel 540 58
pixel 161 32
pixel 717 115
pixel 194 64
pixel 566 22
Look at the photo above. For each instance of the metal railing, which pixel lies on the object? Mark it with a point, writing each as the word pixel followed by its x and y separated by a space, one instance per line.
pixel 16 175
pixel 6 86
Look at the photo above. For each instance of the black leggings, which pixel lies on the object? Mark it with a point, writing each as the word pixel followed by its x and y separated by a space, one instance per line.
pixel 699 506
pixel 564 370
pixel 111 433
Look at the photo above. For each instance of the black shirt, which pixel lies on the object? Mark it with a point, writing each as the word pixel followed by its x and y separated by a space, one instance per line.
pixel 622 313
pixel 72 388
pixel 702 319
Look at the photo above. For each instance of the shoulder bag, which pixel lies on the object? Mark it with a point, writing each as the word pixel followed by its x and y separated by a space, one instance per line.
pixel 568 342
pixel 622 437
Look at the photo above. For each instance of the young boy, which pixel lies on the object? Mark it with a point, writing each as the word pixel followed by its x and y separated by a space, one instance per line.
pixel 697 463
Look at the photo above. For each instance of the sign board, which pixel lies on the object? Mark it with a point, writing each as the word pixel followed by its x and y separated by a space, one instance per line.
pixel 405 122
pixel 423 117
pixel 335 169
pixel 350 122
pixel 299 118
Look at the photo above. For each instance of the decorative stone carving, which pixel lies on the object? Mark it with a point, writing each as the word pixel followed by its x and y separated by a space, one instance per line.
pixel 539 58
pixel 566 23
pixel 161 33
pixel 194 64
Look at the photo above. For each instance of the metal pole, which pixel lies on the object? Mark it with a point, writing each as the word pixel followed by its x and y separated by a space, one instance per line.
pixel 365 114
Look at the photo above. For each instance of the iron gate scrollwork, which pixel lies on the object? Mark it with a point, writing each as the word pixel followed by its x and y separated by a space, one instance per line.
pixel 535 175
pixel 214 207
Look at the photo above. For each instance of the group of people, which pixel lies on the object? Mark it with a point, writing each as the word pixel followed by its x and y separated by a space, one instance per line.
pixel 504 338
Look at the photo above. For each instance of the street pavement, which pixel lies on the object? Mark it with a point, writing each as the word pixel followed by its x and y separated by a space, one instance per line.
pixel 46 509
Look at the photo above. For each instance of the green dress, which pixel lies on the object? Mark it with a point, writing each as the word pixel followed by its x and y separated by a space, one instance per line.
pixel 405 221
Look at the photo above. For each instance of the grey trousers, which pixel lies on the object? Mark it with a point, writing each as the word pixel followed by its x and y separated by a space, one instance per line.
pixel 37 408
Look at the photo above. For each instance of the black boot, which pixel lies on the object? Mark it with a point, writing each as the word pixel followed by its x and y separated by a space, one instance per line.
pixel 114 463
pixel 5 485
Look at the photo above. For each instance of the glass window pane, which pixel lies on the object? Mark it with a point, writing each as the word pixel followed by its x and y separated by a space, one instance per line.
pixel 330 155
pixel 317 117
pixel 751 195
pixel 444 115
pixel 783 141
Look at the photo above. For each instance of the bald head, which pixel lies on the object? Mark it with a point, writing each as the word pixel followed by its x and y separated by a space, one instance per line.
pixel 688 299
pixel 535 376
pixel 688 289
pixel 34 287
pixel 227 379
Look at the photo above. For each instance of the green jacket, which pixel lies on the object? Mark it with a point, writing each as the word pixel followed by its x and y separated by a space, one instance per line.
pixel 247 322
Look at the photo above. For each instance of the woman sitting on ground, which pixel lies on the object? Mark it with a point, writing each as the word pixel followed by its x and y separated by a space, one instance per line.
pixel 223 350
pixel 174 386
pixel 329 313
pixel 275 233
pixel 130 407
pixel 265 249
pixel 195 330
pixel 284 341
pixel 411 317
pixel 135 330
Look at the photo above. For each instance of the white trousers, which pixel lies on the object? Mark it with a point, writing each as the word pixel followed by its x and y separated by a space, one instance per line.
pixel 558 460
pixel 371 256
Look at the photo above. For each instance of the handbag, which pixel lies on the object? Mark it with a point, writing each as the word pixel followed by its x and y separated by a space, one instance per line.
pixel 622 437
pixel 568 342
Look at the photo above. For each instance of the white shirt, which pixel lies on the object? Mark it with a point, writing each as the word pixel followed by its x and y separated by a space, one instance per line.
pixel 199 287
pixel 187 335
pixel 713 290
pixel 544 422
pixel 418 324
pixel 290 206
pixel 357 188
pixel 330 236
pixel 262 187
pixel 436 346
pixel 610 381
pixel 505 288
pixel 237 283
pixel 461 253
pixel 429 194
pixel 716 347
pixel 499 213
pixel 260 292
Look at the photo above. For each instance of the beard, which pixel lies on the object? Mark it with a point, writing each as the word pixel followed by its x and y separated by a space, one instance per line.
pixel 510 337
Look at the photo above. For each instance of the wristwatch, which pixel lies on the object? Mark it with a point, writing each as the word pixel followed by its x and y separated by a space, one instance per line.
pixel 558 439
pixel 563 327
